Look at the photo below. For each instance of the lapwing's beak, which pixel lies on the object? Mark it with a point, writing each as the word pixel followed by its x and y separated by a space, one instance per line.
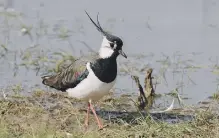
pixel 122 53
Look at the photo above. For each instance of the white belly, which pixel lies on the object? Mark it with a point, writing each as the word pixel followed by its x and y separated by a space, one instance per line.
pixel 91 88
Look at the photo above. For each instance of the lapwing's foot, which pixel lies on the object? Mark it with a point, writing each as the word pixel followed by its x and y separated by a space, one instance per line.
pixel 86 124
pixel 85 127
pixel 102 127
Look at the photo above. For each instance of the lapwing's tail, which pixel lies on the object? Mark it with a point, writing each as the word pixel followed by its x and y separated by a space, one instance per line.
pixel 47 80
pixel 51 81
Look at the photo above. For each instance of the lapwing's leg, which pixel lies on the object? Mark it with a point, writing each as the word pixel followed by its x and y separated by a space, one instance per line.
pixel 94 112
pixel 87 115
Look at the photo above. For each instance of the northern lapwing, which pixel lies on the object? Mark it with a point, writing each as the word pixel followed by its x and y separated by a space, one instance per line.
pixel 91 79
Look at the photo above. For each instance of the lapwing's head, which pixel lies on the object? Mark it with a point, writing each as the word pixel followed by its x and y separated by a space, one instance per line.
pixel 111 44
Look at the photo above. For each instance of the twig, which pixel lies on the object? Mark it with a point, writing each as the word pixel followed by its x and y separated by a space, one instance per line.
pixel 148 83
pixel 141 98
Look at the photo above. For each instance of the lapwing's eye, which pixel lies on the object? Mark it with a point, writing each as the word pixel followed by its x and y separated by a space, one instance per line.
pixel 111 45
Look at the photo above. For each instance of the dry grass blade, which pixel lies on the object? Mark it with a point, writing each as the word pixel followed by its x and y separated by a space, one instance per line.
pixel 180 100
pixel 170 108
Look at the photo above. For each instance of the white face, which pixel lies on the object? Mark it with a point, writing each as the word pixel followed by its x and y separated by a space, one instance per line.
pixel 105 50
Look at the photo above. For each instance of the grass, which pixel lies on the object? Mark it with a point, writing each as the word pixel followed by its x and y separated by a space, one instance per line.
pixel 56 115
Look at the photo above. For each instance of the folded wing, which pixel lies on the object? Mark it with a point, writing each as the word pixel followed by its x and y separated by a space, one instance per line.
pixel 69 77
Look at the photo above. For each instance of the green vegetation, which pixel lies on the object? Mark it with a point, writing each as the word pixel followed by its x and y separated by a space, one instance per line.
pixel 50 115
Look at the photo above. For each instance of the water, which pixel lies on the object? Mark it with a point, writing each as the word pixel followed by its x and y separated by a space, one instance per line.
pixel 145 26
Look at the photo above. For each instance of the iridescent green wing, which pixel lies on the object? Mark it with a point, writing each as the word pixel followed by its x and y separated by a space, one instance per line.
pixel 71 76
